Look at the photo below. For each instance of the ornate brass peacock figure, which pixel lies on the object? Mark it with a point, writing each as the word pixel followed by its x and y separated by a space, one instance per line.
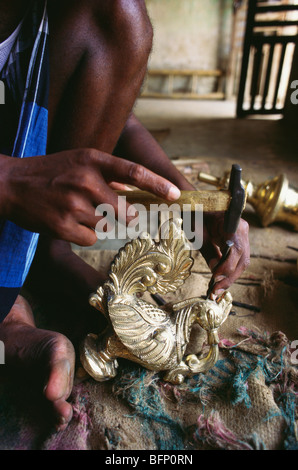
pixel 155 337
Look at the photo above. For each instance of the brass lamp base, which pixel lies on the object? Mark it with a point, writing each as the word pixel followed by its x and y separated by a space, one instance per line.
pixel 273 200
pixel 154 337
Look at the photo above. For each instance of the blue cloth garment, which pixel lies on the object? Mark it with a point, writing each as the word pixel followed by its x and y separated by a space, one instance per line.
pixel 23 133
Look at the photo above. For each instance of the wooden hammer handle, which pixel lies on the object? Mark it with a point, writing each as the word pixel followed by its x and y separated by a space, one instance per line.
pixel 212 201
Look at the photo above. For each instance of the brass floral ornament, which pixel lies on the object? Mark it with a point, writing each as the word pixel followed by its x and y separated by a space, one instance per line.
pixel 155 337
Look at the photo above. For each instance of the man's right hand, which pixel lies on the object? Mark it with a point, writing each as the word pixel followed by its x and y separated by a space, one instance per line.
pixel 57 194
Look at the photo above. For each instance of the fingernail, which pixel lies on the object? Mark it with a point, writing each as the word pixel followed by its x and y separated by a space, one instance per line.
pixel 219 278
pixel 67 367
pixel 62 420
pixel 61 427
pixel 174 193
pixel 219 292
pixel 62 424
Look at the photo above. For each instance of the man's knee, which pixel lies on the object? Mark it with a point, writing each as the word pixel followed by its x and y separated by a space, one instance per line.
pixel 121 26
pixel 141 28
pixel 129 29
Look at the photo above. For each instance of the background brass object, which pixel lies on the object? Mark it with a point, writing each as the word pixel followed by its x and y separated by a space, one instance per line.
pixel 273 200
pixel 155 337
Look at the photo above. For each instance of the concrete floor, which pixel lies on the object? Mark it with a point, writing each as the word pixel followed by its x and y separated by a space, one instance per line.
pixel 209 131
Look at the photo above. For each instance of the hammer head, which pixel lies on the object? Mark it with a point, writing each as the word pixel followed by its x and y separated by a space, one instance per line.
pixel 234 212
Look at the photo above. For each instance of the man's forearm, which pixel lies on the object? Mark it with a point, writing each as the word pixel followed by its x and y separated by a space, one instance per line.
pixel 138 145
pixel 57 266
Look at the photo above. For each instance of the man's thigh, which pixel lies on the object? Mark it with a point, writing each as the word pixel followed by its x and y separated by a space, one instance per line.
pixel 98 59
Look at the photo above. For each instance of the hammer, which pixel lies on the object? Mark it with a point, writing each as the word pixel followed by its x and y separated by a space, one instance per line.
pixel 232 214
pixel 231 201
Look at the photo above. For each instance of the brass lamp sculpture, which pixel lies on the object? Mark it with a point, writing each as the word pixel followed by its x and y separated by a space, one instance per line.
pixel 155 337
pixel 273 200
